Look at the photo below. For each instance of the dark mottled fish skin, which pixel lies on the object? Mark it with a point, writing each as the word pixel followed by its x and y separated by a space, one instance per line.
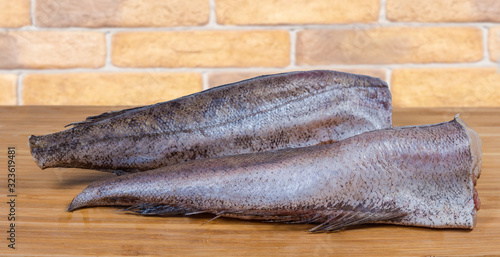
pixel 271 112
pixel 417 176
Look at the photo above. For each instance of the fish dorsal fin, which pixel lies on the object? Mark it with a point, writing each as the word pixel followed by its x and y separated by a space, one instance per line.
pixel 160 210
pixel 102 116
pixel 340 219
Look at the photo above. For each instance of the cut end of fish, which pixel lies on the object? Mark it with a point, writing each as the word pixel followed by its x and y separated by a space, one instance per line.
pixel 475 148
pixel 477 206
pixel 476 154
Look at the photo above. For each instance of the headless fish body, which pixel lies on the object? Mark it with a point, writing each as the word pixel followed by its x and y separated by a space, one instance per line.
pixel 417 176
pixel 265 113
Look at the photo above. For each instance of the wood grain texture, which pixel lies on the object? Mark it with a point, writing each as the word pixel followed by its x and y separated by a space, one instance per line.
pixel 44 228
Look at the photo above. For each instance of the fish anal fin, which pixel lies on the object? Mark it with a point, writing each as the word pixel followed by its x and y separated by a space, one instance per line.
pixel 273 216
pixel 160 210
pixel 330 220
pixel 340 219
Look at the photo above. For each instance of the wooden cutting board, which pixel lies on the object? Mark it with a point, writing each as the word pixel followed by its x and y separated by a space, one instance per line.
pixel 44 228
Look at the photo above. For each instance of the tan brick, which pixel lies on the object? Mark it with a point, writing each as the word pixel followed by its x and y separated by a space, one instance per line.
pixel 51 49
pixel 494 44
pixel 201 49
pixel 389 45
pixel 121 13
pixel 15 13
pixel 443 10
pixel 244 12
pixel 8 87
pixel 474 87
pixel 222 78
pixel 107 88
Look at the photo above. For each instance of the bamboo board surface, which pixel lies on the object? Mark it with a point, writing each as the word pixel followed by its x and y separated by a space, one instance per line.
pixel 44 228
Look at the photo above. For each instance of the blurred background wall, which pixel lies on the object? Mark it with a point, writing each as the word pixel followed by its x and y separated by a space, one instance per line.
pixel 133 52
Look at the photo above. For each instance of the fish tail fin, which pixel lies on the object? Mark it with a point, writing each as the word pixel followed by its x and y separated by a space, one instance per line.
pixel 38 146
pixel 52 150
pixel 103 193
pixel 68 148
pixel 33 144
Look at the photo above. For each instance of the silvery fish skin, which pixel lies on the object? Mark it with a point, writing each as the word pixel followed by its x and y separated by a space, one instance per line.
pixel 416 176
pixel 271 112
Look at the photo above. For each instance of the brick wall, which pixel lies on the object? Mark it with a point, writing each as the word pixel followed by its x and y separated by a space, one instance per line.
pixel 135 52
